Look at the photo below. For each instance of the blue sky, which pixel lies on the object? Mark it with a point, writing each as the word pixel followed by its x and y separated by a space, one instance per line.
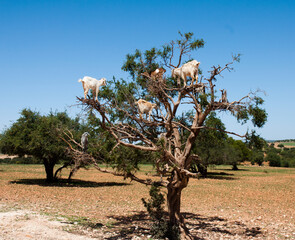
pixel 46 46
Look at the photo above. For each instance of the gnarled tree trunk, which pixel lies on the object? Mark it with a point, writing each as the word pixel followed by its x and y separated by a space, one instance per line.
pixel 177 183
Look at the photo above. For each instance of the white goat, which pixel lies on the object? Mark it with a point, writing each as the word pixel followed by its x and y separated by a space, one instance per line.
pixel 176 73
pixel 145 107
pixel 189 69
pixel 93 84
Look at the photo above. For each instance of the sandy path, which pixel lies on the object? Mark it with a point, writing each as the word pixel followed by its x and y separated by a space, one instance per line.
pixel 22 224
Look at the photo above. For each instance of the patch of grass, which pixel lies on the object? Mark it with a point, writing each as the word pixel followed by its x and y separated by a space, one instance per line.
pixel 111 224
pixel 288 143
pixel 76 220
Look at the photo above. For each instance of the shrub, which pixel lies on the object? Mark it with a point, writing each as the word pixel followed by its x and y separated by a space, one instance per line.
pixel 160 228
pixel 257 157
pixel 273 159
pixel 285 163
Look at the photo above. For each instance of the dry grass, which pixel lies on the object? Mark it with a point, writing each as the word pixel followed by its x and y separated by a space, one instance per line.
pixel 256 202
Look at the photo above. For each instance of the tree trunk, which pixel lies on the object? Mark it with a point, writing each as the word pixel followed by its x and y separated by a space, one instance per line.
pixel 49 166
pixel 177 183
pixel 235 167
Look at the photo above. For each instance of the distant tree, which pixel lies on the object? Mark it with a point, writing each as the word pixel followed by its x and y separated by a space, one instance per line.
pixel 273 159
pixel 281 145
pixel 165 134
pixel 257 157
pixel 38 136
pixel 239 150
pixel 210 145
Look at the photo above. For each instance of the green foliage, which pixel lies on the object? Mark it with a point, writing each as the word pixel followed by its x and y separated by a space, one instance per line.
pixel 160 228
pixel 215 147
pixel 254 112
pixel 155 205
pixel 38 136
pixel 281 157
pixel 254 141
pixel 20 160
pixel 240 152
pixel 210 143
pixel 259 116
pixel 257 157
pixel 273 159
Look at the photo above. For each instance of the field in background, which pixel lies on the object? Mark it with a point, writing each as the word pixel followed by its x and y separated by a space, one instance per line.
pixel 286 144
pixel 251 203
pixel 289 144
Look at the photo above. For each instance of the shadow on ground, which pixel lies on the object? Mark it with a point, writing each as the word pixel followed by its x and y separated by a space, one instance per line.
pixel 231 170
pixel 66 183
pixel 221 176
pixel 201 227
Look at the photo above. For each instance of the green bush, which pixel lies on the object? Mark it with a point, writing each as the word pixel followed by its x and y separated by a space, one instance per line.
pixel 273 159
pixel 285 163
pixel 160 228
pixel 257 157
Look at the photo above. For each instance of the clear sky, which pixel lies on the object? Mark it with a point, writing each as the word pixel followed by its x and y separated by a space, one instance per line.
pixel 46 46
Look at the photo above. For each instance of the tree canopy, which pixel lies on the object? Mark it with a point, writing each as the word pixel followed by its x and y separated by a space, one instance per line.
pixel 38 136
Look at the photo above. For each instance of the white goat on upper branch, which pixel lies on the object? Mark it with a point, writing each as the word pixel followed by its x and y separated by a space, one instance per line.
pixel 189 69
pixel 93 84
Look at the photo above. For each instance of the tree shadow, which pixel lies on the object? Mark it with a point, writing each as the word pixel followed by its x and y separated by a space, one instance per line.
pixel 127 227
pixel 221 176
pixel 232 170
pixel 201 227
pixel 66 183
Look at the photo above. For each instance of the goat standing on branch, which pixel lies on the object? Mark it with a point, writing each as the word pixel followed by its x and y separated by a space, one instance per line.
pixel 93 84
pixel 84 141
pixel 145 107
pixel 223 98
pixel 189 69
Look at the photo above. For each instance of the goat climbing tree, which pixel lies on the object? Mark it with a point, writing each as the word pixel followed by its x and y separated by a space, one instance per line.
pixel 164 134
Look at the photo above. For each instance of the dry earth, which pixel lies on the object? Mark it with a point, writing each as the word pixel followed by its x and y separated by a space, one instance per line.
pixel 255 203
pixel 24 224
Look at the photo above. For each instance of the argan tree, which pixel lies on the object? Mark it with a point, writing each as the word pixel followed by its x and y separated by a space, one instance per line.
pixel 38 136
pixel 166 135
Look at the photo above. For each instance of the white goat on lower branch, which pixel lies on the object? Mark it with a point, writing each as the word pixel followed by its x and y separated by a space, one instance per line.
pixel 93 84
pixel 145 107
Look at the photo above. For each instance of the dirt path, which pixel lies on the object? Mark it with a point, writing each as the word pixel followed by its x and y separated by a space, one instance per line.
pixel 22 224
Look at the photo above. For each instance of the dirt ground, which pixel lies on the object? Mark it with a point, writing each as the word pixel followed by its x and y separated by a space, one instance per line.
pixel 24 224
pixel 253 203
